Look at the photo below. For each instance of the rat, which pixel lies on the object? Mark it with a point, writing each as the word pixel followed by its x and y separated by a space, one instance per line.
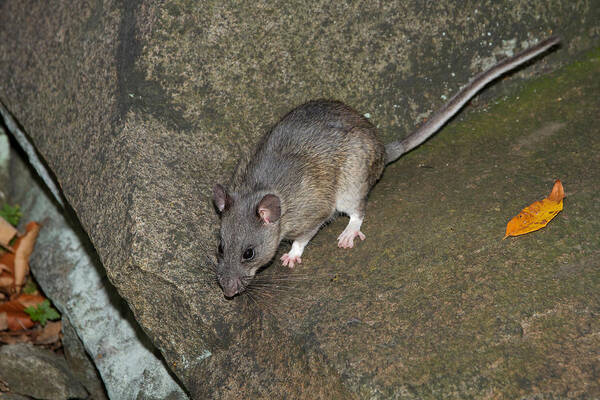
pixel 320 159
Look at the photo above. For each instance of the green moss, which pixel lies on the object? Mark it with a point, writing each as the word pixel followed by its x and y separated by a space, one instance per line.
pixel 464 313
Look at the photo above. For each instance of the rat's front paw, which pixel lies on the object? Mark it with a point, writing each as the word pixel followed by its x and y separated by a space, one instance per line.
pixel 346 239
pixel 289 261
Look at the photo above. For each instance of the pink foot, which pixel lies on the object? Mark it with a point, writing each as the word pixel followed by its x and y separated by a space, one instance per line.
pixel 346 239
pixel 289 261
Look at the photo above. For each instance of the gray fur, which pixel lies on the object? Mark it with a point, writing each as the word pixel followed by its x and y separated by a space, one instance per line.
pixel 320 158
pixel 319 150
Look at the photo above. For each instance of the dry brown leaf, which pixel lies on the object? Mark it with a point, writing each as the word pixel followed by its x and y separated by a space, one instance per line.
pixel 7 260
pixel 7 233
pixel 17 319
pixel 3 321
pixel 6 280
pixel 7 266
pixel 9 337
pixel 4 267
pixel 50 333
pixel 29 300
pixel 22 253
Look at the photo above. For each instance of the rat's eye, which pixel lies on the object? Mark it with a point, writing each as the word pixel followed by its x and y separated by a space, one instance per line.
pixel 248 254
pixel 220 249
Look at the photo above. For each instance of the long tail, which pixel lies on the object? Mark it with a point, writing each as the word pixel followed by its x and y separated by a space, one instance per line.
pixel 394 150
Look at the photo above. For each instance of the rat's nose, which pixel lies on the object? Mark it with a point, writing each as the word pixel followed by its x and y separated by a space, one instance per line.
pixel 231 286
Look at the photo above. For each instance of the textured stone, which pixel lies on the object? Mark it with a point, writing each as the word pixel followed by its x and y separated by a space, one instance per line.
pixel 82 367
pixel 66 267
pixel 39 373
pixel 4 166
pixel 139 107
pixel 13 396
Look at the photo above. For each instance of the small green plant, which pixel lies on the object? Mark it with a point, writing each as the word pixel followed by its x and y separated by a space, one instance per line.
pixel 42 313
pixel 30 287
pixel 11 213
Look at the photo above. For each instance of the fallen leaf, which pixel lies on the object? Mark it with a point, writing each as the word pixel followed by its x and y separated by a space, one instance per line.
pixel 9 337
pixel 7 261
pixel 6 280
pixel 4 267
pixel 7 233
pixel 50 333
pixel 3 321
pixel 17 318
pixel 538 214
pixel 22 253
pixel 7 277
pixel 29 300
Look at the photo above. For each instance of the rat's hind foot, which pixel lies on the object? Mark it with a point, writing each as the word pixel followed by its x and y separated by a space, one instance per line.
pixel 289 260
pixel 346 239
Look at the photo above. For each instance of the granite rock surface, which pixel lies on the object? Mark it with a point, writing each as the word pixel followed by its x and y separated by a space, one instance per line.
pixel 139 107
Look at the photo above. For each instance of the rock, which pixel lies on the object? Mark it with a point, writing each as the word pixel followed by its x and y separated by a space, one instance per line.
pixel 139 107
pixel 13 396
pixel 4 166
pixel 37 372
pixel 67 269
pixel 82 367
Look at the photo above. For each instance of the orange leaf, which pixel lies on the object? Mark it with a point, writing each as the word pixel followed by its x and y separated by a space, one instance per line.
pixel 16 318
pixel 4 267
pixel 29 300
pixel 558 192
pixel 6 280
pixel 538 214
pixel 22 253
pixel 7 232
pixel 7 260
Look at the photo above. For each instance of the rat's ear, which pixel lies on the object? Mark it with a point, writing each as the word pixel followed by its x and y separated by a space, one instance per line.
pixel 269 209
pixel 223 201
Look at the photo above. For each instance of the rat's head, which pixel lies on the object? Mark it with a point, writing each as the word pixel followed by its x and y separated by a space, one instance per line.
pixel 249 236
